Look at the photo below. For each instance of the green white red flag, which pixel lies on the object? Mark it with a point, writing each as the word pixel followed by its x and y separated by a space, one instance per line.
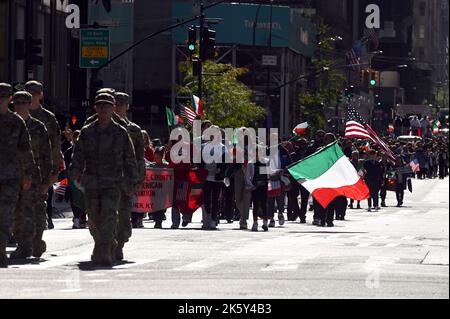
pixel 300 129
pixel 328 174
pixel 197 105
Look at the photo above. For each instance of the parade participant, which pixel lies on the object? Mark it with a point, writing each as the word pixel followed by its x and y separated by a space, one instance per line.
pixel 36 89
pixel 358 164
pixel 77 201
pixel 16 166
pixel 158 162
pixel 105 161
pixel 29 223
pixel 124 227
pixel 259 194
pixel 373 178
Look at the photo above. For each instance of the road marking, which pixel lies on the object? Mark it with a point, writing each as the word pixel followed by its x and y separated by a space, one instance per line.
pixel 364 245
pixel 391 245
pixel 56 261
pixel 200 265
pixel 70 290
pixel 282 265
pixel 136 263
pixel 408 238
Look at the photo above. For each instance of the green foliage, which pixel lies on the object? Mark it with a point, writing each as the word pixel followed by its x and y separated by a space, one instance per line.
pixel 227 101
pixel 313 103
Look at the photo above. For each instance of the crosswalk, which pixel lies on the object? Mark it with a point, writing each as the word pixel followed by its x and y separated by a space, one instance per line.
pixel 227 256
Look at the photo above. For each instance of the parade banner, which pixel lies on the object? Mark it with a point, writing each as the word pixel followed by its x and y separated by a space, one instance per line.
pixel 156 192
pixel 188 191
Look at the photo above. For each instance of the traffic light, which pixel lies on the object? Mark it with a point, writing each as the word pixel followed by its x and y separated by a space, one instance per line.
pixel 374 79
pixel 326 77
pixel 35 51
pixel 363 77
pixel 196 66
pixel 209 44
pixel 74 120
pixel 340 98
pixel 192 40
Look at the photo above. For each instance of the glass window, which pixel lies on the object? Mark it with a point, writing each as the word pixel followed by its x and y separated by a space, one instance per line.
pixel 422 7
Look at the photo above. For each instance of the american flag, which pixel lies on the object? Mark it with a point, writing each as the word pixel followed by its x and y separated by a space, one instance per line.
pixel 372 35
pixel 415 166
pixel 188 114
pixel 356 127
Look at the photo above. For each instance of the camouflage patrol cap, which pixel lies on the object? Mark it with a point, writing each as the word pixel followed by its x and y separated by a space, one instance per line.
pixel 122 97
pixel 22 97
pixel 105 98
pixel 106 90
pixel 34 87
pixel 6 90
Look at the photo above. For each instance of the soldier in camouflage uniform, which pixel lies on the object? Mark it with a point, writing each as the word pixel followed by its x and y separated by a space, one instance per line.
pixel 104 159
pixel 54 132
pixel 115 117
pixel 135 132
pixel 29 224
pixel 16 164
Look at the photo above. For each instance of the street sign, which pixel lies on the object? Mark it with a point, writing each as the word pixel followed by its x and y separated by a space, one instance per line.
pixel 269 60
pixel 94 47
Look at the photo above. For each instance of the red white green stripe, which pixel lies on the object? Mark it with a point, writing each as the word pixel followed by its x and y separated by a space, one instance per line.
pixel 197 105
pixel 328 174
pixel 172 119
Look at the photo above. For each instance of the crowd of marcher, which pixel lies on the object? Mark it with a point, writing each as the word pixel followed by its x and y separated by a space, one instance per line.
pixel 105 163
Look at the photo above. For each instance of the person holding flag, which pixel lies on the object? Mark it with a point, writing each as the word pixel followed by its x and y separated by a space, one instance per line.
pixel 328 174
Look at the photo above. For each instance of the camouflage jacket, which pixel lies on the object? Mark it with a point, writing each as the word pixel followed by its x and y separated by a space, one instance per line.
pixel 42 152
pixel 16 156
pixel 105 158
pixel 54 133
pixel 137 138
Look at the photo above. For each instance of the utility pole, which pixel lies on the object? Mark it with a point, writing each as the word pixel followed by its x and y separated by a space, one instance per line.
pixel 28 38
pixel 269 111
pixel 201 50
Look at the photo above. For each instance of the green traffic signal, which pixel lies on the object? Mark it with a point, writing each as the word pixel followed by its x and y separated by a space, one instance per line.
pixel 191 47
pixel 373 82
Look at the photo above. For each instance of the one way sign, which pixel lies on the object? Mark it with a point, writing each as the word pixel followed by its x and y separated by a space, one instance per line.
pixel 94 47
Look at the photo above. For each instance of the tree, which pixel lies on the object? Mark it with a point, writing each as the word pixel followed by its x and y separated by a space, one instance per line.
pixel 227 101
pixel 313 103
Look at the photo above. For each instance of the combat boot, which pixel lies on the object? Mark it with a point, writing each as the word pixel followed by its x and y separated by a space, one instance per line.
pixel 22 252
pixel 118 253
pixel 39 248
pixel 3 257
pixel 102 255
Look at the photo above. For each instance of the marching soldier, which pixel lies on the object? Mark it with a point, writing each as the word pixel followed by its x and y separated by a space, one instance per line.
pixel 54 132
pixel 16 162
pixel 135 132
pixel 105 161
pixel 115 117
pixel 29 224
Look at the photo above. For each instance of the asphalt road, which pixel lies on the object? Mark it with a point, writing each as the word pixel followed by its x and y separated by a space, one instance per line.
pixel 393 253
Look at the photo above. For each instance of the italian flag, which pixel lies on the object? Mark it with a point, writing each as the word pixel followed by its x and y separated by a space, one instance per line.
pixel 328 174
pixel 197 105
pixel 172 119
pixel 300 129
pixel 436 126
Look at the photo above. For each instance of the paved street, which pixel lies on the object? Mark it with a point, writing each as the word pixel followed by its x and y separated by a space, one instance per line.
pixel 394 253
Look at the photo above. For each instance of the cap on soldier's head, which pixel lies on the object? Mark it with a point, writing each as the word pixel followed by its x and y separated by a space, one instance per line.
pixel 106 90
pixel 105 98
pixel 6 90
pixel 122 97
pixel 22 97
pixel 34 87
